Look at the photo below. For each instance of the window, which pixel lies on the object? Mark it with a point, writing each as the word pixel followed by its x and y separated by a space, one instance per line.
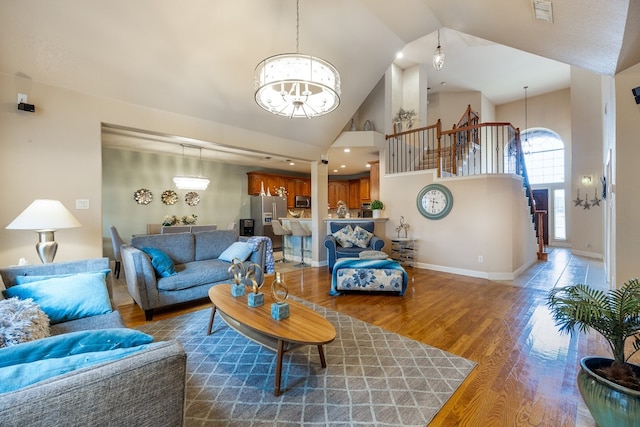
pixel 543 155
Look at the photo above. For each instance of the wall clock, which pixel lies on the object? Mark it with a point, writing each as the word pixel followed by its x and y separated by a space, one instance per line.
pixel 434 201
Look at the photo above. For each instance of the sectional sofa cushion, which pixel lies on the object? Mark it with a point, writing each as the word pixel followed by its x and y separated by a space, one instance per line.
pixel 68 297
pixel 211 244
pixel 178 246
pixel 72 343
pixel 193 274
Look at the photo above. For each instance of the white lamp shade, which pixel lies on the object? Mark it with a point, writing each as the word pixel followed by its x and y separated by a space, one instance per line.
pixel 295 85
pixel 44 214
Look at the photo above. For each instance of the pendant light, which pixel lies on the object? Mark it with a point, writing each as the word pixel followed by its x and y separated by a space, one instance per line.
pixel 191 182
pixel 296 85
pixel 438 55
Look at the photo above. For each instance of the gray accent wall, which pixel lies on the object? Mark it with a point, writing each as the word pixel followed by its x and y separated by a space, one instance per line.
pixel 125 172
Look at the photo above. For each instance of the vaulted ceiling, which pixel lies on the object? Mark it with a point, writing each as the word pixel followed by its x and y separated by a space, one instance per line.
pixel 197 57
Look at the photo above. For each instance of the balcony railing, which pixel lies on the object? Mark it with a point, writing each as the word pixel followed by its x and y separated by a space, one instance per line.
pixel 469 148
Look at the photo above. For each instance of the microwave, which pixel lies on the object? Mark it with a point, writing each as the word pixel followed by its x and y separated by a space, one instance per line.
pixel 303 202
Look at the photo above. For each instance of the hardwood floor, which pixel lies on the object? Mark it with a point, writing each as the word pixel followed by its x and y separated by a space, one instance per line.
pixel 526 373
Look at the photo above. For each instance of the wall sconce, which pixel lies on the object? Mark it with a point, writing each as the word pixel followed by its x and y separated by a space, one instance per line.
pixel 587 180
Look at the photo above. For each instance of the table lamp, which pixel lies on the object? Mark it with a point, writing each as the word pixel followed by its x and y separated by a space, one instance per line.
pixel 45 217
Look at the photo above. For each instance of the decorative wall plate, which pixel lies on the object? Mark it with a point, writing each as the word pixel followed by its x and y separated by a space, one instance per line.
pixel 192 198
pixel 169 197
pixel 143 196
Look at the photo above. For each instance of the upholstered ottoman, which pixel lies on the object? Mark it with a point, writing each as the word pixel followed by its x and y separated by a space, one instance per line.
pixel 369 275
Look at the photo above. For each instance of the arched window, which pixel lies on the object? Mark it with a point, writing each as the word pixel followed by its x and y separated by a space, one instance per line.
pixel 544 155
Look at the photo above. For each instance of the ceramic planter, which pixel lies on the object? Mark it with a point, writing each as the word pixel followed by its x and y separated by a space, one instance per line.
pixel 610 404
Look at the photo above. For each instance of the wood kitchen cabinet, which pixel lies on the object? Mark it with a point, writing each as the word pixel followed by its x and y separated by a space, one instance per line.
pixel 354 194
pixel 295 186
pixel 338 190
pixel 364 190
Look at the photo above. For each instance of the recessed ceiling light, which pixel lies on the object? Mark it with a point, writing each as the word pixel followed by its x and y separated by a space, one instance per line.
pixel 347 150
pixel 399 55
pixel 291 164
pixel 343 166
pixel 443 83
pixel 368 165
pixel 335 170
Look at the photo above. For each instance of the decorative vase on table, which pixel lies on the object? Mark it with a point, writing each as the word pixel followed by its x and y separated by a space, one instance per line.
pixel 377 213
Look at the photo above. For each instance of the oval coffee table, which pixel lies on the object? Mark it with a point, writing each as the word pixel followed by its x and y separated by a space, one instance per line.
pixel 303 326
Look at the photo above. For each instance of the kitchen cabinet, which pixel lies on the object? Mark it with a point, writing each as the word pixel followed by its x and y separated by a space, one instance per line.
pixel 374 178
pixel 338 190
pixel 354 194
pixel 363 190
pixel 294 185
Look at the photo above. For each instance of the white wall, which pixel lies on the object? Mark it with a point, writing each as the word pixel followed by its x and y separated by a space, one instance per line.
pixel 625 186
pixel 587 237
pixel 489 219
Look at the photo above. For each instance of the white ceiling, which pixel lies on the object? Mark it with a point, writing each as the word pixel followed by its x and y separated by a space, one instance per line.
pixel 197 57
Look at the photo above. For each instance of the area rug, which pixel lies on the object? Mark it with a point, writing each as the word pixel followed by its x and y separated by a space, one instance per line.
pixel 373 377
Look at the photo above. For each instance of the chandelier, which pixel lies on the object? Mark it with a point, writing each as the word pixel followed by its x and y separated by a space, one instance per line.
pixel 438 55
pixel 191 182
pixel 297 85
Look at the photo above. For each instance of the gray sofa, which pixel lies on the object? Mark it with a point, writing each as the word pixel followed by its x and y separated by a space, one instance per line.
pixel 144 388
pixel 195 256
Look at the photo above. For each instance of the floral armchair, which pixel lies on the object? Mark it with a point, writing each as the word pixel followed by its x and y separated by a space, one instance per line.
pixel 348 238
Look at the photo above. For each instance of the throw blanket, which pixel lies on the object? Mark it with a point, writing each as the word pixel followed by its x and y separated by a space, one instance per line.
pixel 269 264
pixel 368 275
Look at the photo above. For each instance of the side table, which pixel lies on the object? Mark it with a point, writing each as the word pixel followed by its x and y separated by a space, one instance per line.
pixel 403 250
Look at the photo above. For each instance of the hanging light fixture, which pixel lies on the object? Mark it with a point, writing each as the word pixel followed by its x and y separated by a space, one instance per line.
pixel 191 182
pixel 438 55
pixel 297 85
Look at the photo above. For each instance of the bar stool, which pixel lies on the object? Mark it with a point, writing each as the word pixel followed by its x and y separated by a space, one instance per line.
pixel 280 230
pixel 298 230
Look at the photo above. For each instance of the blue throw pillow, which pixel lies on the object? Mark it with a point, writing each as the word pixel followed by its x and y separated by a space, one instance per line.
pixel 72 343
pixel 18 376
pixel 21 280
pixel 161 262
pixel 239 250
pixel 67 298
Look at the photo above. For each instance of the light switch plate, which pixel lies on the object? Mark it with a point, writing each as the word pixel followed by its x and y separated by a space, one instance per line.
pixel 82 203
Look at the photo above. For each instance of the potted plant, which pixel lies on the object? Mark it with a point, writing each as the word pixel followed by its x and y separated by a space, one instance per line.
pixel 376 206
pixel 610 388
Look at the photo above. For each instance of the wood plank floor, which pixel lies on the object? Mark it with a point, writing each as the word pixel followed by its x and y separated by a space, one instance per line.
pixel 526 373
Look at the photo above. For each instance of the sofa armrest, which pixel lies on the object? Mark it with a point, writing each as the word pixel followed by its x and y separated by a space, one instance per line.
pixel 258 256
pixel 376 243
pixel 140 277
pixel 331 244
pixel 145 388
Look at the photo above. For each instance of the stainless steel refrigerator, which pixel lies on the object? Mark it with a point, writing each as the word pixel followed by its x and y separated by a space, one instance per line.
pixel 263 210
